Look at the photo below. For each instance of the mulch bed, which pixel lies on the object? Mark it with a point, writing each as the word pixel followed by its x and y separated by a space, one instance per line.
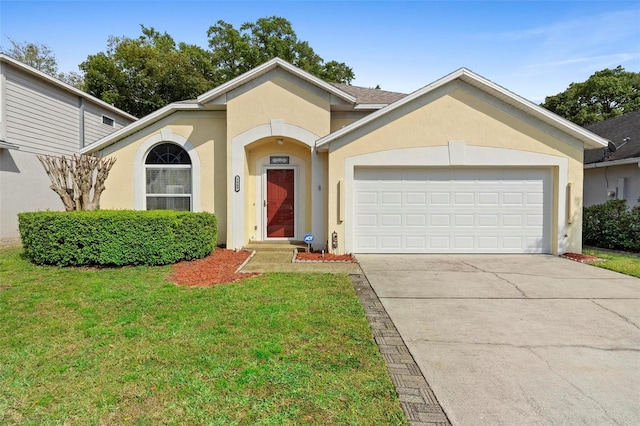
pixel 217 268
pixel 320 257
pixel 582 258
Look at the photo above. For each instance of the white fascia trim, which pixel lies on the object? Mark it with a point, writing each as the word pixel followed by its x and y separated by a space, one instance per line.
pixel 139 178
pixel 8 145
pixel 369 106
pixel 65 86
pixel 613 163
pixel 463 155
pixel 263 69
pixel 488 86
pixel 138 125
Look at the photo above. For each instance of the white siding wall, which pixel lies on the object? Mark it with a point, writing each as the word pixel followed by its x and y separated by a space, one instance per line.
pixel 94 129
pixel 24 186
pixel 599 180
pixel 39 117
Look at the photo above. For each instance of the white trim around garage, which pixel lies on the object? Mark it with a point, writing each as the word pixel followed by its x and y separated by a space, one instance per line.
pixel 458 154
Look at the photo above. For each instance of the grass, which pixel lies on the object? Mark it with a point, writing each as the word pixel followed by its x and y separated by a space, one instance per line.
pixel 620 262
pixel 124 346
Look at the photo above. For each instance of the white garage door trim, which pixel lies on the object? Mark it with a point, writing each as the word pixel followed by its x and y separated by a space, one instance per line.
pixel 451 210
pixel 459 154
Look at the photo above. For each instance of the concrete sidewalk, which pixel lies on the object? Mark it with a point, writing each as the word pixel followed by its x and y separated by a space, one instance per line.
pixel 517 340
pixel 278 261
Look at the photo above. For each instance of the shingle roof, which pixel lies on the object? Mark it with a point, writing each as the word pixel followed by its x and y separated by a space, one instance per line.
pixel 616 130
pixel 365 95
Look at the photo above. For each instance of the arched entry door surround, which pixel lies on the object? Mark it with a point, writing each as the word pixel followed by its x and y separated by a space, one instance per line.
pixel 236 209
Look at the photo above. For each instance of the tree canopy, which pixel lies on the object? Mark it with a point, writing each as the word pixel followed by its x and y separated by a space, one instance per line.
pixel 41 57
pixel 144 74
pixel 140 75
pixel 36 55
pixel 606 94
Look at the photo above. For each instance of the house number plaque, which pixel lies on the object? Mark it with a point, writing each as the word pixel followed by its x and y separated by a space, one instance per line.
pixel 236 185
pixel 279 159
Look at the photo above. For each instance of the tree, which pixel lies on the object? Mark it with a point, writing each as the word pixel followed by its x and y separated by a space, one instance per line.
pixel 236 51
pixel 606 94
pixel 72 78
pixel 75 178
pixel 141 75
pixel 42 58
pixel 144 74
pixel 36 55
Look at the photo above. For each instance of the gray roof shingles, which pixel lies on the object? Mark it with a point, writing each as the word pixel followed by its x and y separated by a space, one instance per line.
pixel 616 130
pixel 365 95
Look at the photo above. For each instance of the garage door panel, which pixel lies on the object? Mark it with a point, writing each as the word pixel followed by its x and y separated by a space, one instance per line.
pixel 440 198
pixel 416 198
pixel 426 210
pixel 416 220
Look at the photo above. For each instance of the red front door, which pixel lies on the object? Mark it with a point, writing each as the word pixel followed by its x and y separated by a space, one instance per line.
pixel 280 203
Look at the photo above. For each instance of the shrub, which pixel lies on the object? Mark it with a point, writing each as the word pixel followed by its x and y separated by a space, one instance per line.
pixel 612 225
pixel 116 237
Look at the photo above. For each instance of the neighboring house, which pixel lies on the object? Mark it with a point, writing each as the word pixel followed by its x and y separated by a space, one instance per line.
pixel 42 115
pixel 459 166
pixel 614 172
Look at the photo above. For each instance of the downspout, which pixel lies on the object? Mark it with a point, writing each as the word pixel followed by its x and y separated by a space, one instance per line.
pixel 81 120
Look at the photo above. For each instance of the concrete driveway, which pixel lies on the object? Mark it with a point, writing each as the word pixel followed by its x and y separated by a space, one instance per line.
pixel 520 339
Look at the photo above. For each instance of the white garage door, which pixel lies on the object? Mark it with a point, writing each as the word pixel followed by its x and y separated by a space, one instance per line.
pixel 449 210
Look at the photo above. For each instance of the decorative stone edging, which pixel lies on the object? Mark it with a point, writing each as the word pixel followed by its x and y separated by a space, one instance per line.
pixel 418 401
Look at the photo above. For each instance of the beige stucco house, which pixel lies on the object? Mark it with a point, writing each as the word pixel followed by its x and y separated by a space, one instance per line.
pixel 459 166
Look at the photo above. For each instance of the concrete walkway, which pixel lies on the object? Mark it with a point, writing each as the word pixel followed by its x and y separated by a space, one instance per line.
pixel 517 340
pixel 278 261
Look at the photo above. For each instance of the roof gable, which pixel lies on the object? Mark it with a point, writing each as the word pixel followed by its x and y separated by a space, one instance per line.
pixel 588 138
pixel 64 86
pixel 218 94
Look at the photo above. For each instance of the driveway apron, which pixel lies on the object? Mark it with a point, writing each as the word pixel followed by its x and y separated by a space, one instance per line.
pixel 517 340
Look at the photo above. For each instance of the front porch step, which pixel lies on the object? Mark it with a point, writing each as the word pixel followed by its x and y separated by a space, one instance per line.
pixel 287 246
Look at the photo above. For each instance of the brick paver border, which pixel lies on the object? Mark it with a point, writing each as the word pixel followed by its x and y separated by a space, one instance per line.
pixel 416 397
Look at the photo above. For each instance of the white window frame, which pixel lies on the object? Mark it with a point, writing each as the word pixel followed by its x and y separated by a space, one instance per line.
pixel 140 171
pixel 113 121
pixel 165 167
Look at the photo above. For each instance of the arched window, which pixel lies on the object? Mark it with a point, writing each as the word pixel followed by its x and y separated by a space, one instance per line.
pixel 168 178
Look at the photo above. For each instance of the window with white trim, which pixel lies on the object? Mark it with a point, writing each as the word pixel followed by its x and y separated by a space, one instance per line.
pixel 168 178
pixel 108 121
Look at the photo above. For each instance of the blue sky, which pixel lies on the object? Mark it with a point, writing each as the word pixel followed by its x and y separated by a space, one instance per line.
pixel 534 49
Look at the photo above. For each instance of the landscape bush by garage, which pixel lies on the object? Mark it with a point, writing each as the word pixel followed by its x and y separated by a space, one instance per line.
pixel 116 237
pixel 612 225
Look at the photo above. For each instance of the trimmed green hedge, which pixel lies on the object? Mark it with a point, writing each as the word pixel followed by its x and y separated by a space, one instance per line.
pixel 612 225
pixel 116 237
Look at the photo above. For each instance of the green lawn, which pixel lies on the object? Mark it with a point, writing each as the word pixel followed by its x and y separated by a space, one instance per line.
pixel 124 346
pixel 624 263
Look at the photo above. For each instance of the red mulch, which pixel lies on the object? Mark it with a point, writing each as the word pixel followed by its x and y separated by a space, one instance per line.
pixel 582 258
pixel 319 257
pixel 217 268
